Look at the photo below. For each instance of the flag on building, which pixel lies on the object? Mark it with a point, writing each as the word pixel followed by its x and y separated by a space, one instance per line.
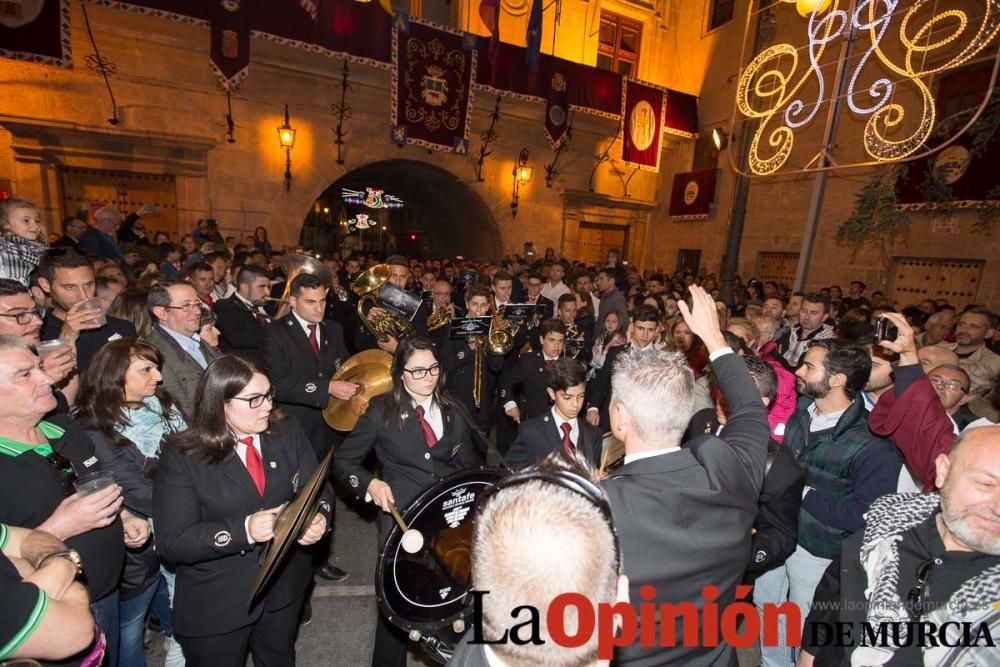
pixel 557 109
pixel 643 108
pixel 533 38
pixel 229 49
pixel 692 195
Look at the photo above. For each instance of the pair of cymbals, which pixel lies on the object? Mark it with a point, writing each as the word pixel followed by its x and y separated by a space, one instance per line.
pixel 371 370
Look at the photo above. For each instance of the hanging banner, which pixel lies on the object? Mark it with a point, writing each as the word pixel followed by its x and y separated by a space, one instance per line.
pixel 557 110
pixel 692 195
pixel 963 168
pixel 433 70
pixel 36 31
pixel 643 109
pixel 230 41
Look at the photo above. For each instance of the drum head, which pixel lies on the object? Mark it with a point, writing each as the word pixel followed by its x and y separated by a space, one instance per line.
pixel 429 589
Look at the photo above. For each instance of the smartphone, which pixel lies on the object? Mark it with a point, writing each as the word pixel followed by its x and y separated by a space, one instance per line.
pixel 885 330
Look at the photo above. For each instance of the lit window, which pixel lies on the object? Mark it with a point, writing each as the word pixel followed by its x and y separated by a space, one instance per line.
pixel 618 44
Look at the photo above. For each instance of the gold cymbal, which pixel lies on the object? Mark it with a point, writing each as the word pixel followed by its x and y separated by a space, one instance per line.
pixel 370 369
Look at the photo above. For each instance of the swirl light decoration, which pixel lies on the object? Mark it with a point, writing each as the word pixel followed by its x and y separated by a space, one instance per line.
pixel 906 42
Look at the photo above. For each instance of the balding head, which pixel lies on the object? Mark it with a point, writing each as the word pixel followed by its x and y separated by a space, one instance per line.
pixel 933 356
pixel 969 482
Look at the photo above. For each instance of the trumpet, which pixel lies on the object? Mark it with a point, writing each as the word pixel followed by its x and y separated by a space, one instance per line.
pixel 501 338
pixel 439 318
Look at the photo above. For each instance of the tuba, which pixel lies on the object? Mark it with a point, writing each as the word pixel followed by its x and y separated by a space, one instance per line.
pixel 375 290
pixel 292 266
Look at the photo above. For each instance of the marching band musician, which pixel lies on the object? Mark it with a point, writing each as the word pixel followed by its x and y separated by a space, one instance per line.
pixel 399 268
pixel 503 286
pixel 302 351
pixel 219 487
pixel 530 374
pixel 420 436
pixel 579 334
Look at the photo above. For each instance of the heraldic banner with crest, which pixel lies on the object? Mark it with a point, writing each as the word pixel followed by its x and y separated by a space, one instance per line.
pixel 230 40
pixel 433 71
pixel 643 108
pixel 36 31
pixel 692 195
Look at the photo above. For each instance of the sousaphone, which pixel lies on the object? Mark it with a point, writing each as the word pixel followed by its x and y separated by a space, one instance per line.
pixel 292 266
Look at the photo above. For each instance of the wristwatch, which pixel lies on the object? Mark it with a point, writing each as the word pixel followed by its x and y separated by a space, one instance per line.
pixel 72 555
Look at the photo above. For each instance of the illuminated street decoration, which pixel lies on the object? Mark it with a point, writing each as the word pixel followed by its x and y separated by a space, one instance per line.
pixel 372 198
pixel 361 221
pixel 898 105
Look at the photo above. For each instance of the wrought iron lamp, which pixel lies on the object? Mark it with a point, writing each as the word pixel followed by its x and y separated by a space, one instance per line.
pixel 522 174
pixel 286 137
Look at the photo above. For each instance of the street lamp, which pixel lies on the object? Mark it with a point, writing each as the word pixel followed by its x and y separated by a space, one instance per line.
pixel 521 174
pixel 720 138
pixel 286 137
pixel 806 7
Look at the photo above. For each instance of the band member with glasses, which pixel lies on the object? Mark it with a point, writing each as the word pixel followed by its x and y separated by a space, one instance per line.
pixel 176 308
pixel 219 487
pixel 39 462
pixel 420 436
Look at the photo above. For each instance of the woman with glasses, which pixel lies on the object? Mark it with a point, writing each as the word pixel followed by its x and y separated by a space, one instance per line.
pixel 128 424
pixel 21 239
pixel 420 436
pixel 219 486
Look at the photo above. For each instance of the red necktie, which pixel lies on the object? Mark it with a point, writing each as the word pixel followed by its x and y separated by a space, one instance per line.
pixel 566 442
pixel 426 427
pixel 254 465
pixel 549 362
pixel 261 318
pixel 313 343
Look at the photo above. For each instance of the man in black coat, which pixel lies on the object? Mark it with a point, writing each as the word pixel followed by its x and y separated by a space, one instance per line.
pixel 684 516
pixel 559 429
pixel 241 319
pixel 524 389
pixel 645 328
pixel 302 351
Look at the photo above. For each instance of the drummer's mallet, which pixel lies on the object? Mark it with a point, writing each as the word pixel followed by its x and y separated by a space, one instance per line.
pixel 413 540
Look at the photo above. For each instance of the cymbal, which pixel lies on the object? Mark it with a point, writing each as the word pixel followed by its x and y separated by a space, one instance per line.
pixel 289 525
pixel 370 369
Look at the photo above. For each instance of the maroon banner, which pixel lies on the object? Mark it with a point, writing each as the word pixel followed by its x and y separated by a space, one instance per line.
pixel 692 194
pixel 557 110
pixel 229 51
pixel 432 77
pixel 969 174
pixel 643 109
pixel 681 116
pixel 36 31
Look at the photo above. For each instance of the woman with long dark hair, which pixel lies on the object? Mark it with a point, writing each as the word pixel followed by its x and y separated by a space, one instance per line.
pixel 127 423
pixel 219 486
pixel 420 435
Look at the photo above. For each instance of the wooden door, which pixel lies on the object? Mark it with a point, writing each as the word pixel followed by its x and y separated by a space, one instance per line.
pixel 124 190
pixel 597 239
pixel 917 278
pixel 777 266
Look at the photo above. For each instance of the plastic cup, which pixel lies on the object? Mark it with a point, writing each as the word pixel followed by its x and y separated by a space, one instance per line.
pixel 95 303
pixel 93 482
pixel 46 348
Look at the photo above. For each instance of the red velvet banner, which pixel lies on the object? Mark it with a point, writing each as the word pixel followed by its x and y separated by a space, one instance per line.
pixel 36 31
pixel 557 110
pixel 432 76
pixel 229 51
pixel 692 195
pixel 642 122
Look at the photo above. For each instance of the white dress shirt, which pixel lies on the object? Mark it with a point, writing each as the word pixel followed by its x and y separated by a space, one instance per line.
pixel 574 427
pixel 553 292
pixel 305 327
pixel 432 415
pixel 241 451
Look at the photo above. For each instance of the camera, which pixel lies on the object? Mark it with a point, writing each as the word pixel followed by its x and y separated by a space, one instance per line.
pixel 885 330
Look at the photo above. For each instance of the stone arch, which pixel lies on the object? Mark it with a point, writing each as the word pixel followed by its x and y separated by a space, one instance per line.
pixel 441 211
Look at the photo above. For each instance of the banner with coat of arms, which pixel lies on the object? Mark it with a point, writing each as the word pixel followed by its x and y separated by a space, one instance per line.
pixel 36 31
pixel 433 69
pixel 692 195
pixel 643 108
pixel 229 51
pixel 557 109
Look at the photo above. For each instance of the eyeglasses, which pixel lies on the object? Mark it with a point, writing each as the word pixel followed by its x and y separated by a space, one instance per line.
pixel 256 401
pixel 421 373
pixel 63 465
pixel 918 592
pixel 189 306
pixel 953 385
pixel 25 316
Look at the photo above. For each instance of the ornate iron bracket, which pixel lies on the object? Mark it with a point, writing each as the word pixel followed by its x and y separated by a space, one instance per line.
pixel 604 157
pixel 487 135
pixel 230 123
pixel 342 111
pixel 550 169
pixel 103 66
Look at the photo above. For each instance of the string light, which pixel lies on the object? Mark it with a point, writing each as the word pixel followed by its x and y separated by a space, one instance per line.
pixel 769 87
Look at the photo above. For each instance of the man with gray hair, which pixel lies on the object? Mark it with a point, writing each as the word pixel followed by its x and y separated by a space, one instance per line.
pixel 99 239
pixel 684 516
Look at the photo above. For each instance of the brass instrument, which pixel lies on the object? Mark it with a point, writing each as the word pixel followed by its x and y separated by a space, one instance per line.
pixel 292 266
pixel 501 338
pixel 371 369
pixel 573 333
pixel 374 288
pixel 439 318
pixel 477 370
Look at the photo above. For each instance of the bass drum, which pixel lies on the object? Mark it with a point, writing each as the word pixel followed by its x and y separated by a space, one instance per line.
pixel 427 593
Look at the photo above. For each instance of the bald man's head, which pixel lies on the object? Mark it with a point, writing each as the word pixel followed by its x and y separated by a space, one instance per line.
pixel 933 356
pixel 969 482
pixel 441 293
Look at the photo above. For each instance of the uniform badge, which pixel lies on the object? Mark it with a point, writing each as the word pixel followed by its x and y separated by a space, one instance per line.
pixel 353 481
pixel 295 482
pixel 310 388
pixel 759 556
pixel 222 538
pixel 461 355
pixel 274 466
pixel 325 506
pixel 89 462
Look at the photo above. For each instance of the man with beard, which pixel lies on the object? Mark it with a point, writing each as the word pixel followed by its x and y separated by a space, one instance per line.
pixel 846 466
pixel 932 558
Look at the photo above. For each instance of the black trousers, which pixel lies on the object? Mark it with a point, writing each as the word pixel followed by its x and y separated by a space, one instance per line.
pixel 271 642
pixel 390 642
